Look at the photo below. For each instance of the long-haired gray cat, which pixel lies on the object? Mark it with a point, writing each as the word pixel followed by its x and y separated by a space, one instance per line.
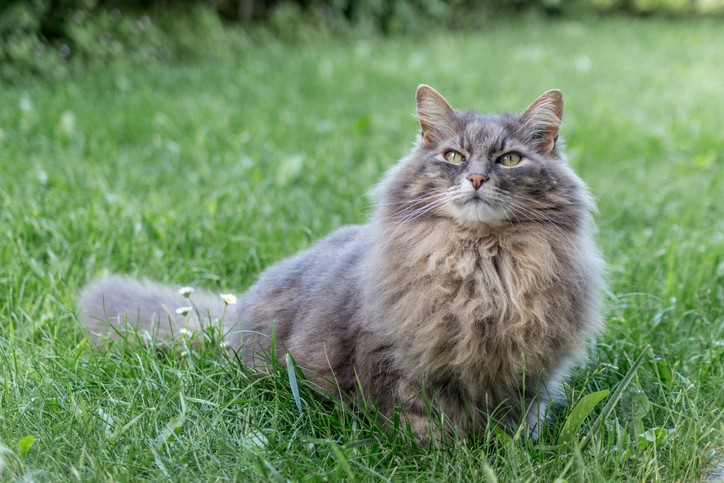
pixel 476 280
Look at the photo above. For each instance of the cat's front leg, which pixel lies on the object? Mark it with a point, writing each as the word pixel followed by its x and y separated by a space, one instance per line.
pixel 538 403
pixel 534 420
pixel 537 416
pixel 409 397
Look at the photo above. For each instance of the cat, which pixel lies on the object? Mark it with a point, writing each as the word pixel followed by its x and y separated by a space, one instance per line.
pixel 474 286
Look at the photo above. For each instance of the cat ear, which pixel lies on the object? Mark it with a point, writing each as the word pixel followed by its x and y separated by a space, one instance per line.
pixel 435 115
pixel 543 119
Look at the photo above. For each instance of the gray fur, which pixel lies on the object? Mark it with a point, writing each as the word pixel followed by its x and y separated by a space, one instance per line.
pixel 484 297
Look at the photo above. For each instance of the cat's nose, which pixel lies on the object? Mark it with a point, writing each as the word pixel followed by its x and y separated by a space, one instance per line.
pixel 477 179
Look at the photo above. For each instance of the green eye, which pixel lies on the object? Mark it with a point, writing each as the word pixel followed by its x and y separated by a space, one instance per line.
pixel 454 157
pixel 510 159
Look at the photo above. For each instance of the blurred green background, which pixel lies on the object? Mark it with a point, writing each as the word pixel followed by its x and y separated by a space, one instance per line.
pixel 48 37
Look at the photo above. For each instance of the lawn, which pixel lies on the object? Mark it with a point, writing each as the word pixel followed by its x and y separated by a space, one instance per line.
pixel 205 174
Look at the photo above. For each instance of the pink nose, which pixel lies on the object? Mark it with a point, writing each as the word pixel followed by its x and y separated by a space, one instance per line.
pixel 477 180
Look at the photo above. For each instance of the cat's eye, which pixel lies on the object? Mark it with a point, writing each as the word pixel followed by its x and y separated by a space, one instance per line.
pixel 509 159
pixel 454 157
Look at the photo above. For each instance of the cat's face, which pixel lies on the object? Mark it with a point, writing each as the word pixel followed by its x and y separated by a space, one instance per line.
pixel 487 169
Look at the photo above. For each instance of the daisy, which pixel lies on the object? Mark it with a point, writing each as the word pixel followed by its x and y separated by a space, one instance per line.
pixel 184 310
pixel 228 298
pixel 186 291
pixel 184 332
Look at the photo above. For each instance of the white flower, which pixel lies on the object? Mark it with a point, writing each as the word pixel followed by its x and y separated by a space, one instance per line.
pixel 184 310
pixel 186 291
pixel 224 345
pixel 183 353
pixel 228 298
pixel 184 332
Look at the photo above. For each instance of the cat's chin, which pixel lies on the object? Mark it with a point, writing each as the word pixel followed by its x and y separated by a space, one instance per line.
pixel 476 212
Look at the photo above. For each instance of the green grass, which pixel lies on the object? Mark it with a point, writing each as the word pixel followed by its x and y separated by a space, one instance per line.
pixel 205 174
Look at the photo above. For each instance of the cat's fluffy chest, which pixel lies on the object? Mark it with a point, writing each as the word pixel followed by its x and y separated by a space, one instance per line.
pixel 470 305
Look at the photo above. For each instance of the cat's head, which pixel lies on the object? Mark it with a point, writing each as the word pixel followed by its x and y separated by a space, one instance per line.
pixel 485 170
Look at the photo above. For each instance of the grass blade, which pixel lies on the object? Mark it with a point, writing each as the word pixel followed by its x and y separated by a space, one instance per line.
pixel 489 474
pixel 293 382
pixel 339 456
pixel 363 442
pixel 24 445
pixel 582 409
pixel 173 427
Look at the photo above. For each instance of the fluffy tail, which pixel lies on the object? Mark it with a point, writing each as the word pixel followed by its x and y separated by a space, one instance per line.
pixel 113 305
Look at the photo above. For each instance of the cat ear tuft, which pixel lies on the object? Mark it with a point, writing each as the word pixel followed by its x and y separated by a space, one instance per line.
pixel 543 119
pixel 435 115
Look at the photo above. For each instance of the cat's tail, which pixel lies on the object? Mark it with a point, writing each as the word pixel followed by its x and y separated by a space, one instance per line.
pixel 110 307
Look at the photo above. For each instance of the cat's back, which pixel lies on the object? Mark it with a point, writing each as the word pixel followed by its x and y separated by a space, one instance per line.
pixel 315 267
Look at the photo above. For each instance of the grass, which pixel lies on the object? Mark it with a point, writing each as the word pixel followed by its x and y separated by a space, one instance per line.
pixel 205 174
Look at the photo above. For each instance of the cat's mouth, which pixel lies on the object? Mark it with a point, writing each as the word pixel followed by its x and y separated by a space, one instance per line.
pixel 478 208
pixel 475 200
pixel 478 198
